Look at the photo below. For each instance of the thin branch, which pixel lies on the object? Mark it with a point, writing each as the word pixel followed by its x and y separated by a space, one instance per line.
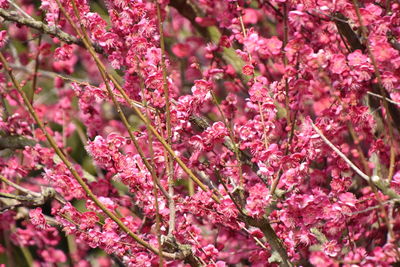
pixel 44 28
pixel 31 198
pixel 381 97
pixel 377 181
pixel 258 241
pixel 47 74
pixel 343 156
pixel 18 187
pixel 15 142
pixel 276 10
pixel 19 9
pixel 169 161
pixel 16 197
pixel 156 179
pixel 35 73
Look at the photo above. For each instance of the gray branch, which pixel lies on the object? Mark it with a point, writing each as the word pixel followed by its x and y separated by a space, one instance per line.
pixel 14 16
pixel 15 142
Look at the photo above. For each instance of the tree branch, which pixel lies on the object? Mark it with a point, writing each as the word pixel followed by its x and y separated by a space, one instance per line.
pixel 15 142
pixel 354 42
pixel 30 199
pixel 273 240
pixel 44 28
pixel 381 184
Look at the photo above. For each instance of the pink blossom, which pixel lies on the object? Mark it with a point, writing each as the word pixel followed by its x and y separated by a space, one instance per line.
pixel 273 45
pixel 181 50
pixel 331 248
pixel 52 255
pixel 4 4
pixel 395 183
pixel 338 64
pixel 258 198
pixel 205 22
pixel 248 70
pixel 259 92
pixel 201 89
pixel 51 9
pixel 357 58
pixel 64 52
pixel 37 218
pixel 250 16
pixel 3 38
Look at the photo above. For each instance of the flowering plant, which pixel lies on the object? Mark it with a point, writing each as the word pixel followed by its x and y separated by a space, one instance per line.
pixel 199 133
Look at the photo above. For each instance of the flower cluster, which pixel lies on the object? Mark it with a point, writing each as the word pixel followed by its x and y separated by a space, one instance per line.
pixel 209 133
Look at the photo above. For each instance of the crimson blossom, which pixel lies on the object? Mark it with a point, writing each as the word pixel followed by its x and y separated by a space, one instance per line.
pixel 200 133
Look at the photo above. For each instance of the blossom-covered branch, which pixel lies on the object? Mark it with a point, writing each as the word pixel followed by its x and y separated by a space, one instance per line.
pixel 172 132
